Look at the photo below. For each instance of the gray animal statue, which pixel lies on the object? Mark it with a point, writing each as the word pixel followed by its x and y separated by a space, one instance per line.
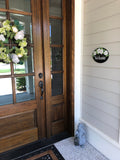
pixel 80 135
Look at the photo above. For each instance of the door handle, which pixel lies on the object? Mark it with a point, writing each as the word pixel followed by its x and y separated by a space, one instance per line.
pixel 42 90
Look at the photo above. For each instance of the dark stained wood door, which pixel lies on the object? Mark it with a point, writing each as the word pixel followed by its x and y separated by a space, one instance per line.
pixel 54 29
pixel 34 112
pixel 22 112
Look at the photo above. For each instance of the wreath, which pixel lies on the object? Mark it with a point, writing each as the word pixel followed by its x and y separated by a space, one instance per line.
pixel 12 32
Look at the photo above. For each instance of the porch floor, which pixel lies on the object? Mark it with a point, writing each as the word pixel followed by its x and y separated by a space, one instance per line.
pixel 71 152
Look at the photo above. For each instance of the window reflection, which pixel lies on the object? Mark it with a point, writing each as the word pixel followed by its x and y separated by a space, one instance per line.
pixel 56 59
pixel 55 31
pixel 27 66
pixel 55 8
pixel 21 5
pixel 4 69
pixel 25 89
pixel 2 3
pixel 5 91
pixel 57 84
pixel 26 22
pixel 2 16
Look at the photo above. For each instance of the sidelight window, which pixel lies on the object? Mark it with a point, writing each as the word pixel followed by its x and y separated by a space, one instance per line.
pixel 56 43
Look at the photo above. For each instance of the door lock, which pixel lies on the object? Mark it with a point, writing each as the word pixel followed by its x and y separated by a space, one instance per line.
pixel 40 75
pixel 42 90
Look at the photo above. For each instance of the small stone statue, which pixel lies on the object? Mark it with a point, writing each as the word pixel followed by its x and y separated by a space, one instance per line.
pixel 80 135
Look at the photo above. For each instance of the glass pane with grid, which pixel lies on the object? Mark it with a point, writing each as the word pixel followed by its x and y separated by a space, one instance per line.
pixel 5 69
pixel 25 21
pixel 27 66
pixel 56 59
pixel 55 8
pixel 2 4
pixel 6 96
pixel 2 17
pixel 21 5
pixel 57 84
pixel 14 93
pixel 25 88
pixel 56 31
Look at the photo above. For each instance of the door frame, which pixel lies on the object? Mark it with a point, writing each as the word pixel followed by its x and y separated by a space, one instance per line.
pixel 70 10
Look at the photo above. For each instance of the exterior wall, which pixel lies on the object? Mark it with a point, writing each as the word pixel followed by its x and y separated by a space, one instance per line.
pixel 101 82
pixel 97 101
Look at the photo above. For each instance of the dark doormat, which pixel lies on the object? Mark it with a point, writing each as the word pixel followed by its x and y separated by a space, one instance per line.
pixel 47 153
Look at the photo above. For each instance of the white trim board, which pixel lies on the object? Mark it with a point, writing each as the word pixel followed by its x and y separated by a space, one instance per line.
pixel 102 142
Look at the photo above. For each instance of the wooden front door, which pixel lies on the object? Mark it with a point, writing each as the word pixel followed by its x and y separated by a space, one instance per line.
pixel 33 93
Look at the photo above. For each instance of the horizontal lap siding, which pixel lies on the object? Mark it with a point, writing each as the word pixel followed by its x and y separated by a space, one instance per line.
pixel 114 48
pixel 101 82
pixel 93 5
pixel 103 12
pixel 108 130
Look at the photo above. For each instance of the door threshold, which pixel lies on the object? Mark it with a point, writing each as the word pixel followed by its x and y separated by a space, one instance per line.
pixel 20 151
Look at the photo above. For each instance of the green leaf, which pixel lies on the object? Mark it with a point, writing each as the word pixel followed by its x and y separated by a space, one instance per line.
pixel 26 50
pixel 11 50
pixel 1 44
pixel 20 27
pixel 12 35
pixel 17 41
pixel 7 51
pixel 21 62
pixel 16 22
pixel 8 34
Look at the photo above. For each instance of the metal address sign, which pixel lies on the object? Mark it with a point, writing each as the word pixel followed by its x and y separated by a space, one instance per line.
pixel 100 55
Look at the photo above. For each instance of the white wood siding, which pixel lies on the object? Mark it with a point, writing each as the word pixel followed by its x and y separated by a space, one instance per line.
pixel 101 82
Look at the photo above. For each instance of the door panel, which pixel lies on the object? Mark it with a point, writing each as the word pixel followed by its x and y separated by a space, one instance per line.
pixel 25 116
pixel 18 139
pixel 16 123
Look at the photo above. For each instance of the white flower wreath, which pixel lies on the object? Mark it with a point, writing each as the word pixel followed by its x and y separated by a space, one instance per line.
pixel 12 31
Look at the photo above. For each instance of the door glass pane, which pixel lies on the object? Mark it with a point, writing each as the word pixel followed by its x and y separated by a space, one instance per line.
pixel 26 22
pixel 27 66
pixel 55 8
pixel 25 88
pixel 2 3
pixel 2 16
pixel 57 84
pixel 56 59
pixel 5 91
pixel 4 69
pixel 55 31
pixel 21 5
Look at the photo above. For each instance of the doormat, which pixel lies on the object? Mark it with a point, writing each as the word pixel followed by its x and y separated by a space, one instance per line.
pixel 47 153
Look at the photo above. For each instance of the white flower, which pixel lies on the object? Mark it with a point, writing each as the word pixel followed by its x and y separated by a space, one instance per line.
pixel 94 53
pixel 106 53
pixel 19 35
pixel 2 38
pixel 15 30
pixel 20 55
pixel 14 58
pixel 100 51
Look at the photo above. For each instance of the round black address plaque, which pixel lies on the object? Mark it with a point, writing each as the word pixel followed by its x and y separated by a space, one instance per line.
pixel 100 55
